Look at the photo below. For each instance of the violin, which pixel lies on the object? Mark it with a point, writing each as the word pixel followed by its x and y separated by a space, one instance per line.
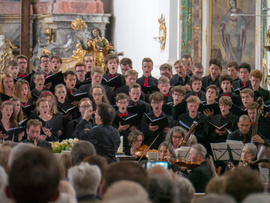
pixel 185 163
pixel 143 150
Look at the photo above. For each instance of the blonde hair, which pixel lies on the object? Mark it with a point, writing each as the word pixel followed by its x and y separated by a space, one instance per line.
pixel 3 77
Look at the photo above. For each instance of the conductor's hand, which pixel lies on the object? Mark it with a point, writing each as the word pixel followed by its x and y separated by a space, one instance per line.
pixel 87 114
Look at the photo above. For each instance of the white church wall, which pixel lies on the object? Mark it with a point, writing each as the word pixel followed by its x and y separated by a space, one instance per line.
pixel 135 23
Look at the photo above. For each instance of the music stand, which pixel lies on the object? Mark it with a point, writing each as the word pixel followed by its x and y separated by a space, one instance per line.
pixel 230 150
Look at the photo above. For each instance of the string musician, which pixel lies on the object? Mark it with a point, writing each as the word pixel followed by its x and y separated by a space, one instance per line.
pixel 177 135
pixel 200 175
pixel 248 156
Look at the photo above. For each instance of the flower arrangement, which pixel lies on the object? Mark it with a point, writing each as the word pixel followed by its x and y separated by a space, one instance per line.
pixel 67 144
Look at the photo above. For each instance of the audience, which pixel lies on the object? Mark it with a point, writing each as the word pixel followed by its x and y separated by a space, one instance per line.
pixel 85 179
pixel 80 151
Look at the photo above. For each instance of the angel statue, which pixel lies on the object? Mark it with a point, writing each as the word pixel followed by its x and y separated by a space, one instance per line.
pixel 99 47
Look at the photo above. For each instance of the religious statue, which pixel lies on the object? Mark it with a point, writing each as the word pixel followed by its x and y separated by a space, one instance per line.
pixel 233 33
pixel 99 47
pixel 6 52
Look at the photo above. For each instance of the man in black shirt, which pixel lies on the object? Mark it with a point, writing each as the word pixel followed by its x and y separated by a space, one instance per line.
pixel 244 133
pixel 104 136
pixel 33 128
pixel 152 131
pixel 215 69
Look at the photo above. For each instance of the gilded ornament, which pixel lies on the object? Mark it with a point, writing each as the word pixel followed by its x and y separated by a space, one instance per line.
pixel 78 24
pixel 196 28
pixel 162 32
pixel 7 55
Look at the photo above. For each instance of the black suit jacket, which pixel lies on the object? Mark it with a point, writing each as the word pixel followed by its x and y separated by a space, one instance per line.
pixel 239 84
pixel 237 135
pixel 105 138
pixel 176 80
pixel 206 81
pixel 151 82
pixel 199 177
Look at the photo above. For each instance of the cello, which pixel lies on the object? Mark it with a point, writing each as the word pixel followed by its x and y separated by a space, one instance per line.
pixel 262 150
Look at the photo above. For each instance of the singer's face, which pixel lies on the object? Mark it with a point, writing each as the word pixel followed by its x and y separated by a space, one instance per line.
pixel 33 132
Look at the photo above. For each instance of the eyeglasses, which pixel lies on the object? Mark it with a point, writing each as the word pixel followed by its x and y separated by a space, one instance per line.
pixel 47 61
pixel 98 94
pixel 85 107
pixel 21 63
pixel 80 71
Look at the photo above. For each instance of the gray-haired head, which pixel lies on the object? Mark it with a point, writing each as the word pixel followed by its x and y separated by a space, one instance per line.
pixel 84 178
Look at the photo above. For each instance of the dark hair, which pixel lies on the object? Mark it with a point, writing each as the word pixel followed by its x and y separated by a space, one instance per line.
pixel 111 56
pixel 12 63
pixel 246 66
pixel 126 61
pixel 156 96
pixel 56 57
pixel 21 57
pixel 233 64
pixel 125 171
pixel 81 150
pixel 88 55
pixel 44 56
pixel 225 77
pixel 121 96
pixel 38 73
pixel 33 122
pixel 243 179
pixel 106 112
pixel 69 72
pixel 34 176
pixel 215 62
pixel 186 56
pixel 194 78
pixel 147 59
pixel 98 160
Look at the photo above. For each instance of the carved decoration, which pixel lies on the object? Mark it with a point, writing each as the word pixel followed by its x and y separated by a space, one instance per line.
pixel 76 57
pixel 7 54
pixel 162 32
pixel 78 24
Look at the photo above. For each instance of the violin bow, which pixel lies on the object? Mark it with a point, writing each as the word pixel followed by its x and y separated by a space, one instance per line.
pixel 148 147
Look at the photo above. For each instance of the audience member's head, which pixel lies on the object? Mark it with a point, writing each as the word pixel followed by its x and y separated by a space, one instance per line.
pixel 125 189
pixel 259 198
pixel 216 185
pixel 216 198
pixel 85 179
pixel 34 177
pixel 162 189
pixel 80 151
pixel 99 161
pixel 3 185
pixel 67 193
pixel 185 190
pixel 243 181
pixel 4 154
pixel 17 150
pixel 64 164
pixel 124 171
